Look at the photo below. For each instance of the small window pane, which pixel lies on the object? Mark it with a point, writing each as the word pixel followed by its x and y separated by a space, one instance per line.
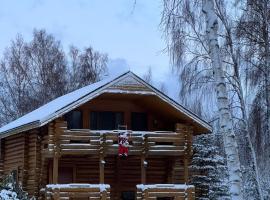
pixel 94 120
pixel 74 119
pixel 105 120
pixel 139 121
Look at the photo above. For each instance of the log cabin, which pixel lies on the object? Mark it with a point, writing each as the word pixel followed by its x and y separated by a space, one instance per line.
pixel 68 148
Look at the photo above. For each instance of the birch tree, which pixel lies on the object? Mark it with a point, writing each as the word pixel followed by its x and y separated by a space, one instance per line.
pixel 191 53
pixel 232 50
pixel 225 118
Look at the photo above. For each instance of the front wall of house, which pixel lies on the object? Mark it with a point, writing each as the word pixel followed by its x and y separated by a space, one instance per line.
pixel 23 152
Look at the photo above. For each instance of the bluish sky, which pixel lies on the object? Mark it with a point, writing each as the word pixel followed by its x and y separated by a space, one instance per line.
pixel 129 34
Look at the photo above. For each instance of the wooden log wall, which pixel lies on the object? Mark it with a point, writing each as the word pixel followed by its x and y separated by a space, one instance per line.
pixel 14 155
pixel 44 161
pixel 22 153
pixel 33 163
pixel 158 170
pixel 187 131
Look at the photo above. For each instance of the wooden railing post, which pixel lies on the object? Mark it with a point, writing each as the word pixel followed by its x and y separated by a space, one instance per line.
pixel 186 170
pixel 101 158
pixel 104 195
pixel 143 170
pixel 55 168
pixel 143 160
pixel 56 154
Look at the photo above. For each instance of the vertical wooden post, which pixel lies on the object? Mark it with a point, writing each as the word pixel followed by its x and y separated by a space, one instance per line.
pixel 101 159
pixel 186 169
pixel 56 153
pixel 101 170
pixel 104 195
pixel 55 168
pixel 143 161
pixel 143 170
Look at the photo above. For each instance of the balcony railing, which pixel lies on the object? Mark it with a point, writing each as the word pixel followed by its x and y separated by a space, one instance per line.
pixel 77 191
pixel 102 191
pixel 85 142
pixel 172 191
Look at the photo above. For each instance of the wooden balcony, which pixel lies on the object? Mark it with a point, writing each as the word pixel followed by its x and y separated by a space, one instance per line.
pixel 173 191
pixel 62 142
pixel 87 142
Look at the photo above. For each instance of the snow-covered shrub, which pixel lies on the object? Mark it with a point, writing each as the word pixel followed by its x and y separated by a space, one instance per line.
pixel 209 169
pixel 10 189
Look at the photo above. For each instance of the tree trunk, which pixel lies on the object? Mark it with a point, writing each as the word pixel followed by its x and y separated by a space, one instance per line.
pixel 225 117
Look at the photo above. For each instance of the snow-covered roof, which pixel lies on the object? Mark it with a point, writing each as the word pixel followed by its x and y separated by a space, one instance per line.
pixel 43 113
pixel 65 103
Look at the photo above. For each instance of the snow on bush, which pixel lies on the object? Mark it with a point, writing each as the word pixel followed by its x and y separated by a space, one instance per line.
pixel 10 189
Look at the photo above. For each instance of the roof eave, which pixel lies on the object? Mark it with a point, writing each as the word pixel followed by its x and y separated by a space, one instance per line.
pixel 25 127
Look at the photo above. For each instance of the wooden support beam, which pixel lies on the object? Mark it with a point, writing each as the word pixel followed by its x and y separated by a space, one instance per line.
pixel 55 169
pixel 143 161
pixel 101 158
pixel 104 195
pixel 58 128
pixel 101 170
pixel 186 170
pixel 143 170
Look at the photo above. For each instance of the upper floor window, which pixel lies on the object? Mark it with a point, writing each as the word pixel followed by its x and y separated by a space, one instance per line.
pixel 106 120
pixel 74 119
pixel 139 121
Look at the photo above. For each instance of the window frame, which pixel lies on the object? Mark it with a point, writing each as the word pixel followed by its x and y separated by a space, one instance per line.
pixel 68 116
pixel 96 124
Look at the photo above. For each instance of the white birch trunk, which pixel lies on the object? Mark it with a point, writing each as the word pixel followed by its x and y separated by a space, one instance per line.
pixel 225 118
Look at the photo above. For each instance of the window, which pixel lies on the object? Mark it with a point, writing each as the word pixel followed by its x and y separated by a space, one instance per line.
pixel 74 119
pixel 139 121
pixel 106 120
